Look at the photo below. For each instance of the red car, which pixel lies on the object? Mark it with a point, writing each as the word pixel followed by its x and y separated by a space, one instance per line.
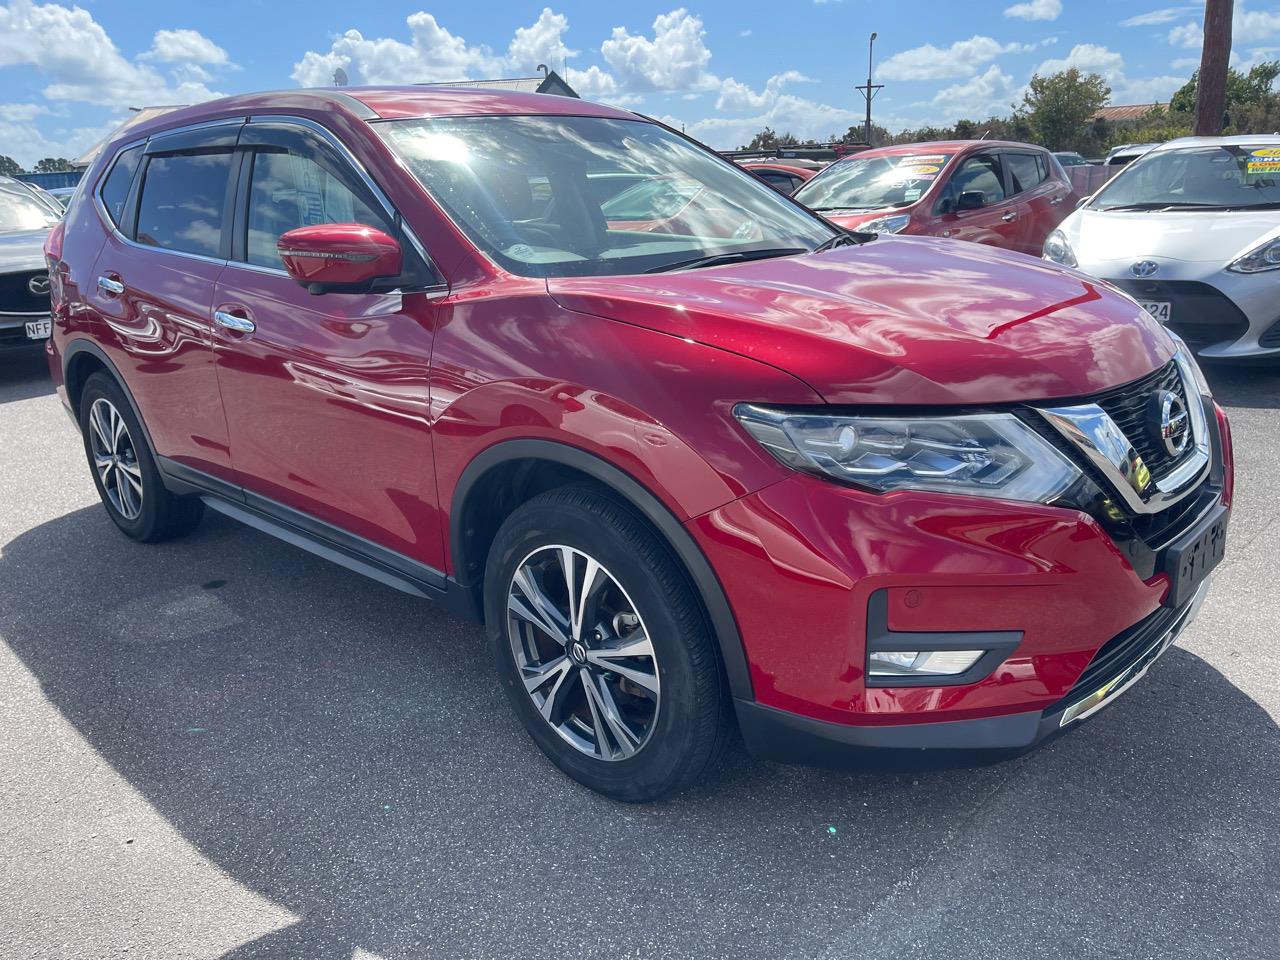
pixel 782 176
pixel 836 490
pixel 1008 195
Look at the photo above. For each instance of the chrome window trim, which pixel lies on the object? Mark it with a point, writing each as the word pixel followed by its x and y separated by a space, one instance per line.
pixel 1091 430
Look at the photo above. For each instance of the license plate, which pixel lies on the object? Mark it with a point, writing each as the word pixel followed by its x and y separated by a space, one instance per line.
pixel 38 329
pixel 1160 309
pixel 1190 559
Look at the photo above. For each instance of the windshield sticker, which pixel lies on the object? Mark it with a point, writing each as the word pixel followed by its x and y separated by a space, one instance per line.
pixel 1264 162
pixel 913 194
pixel 910 161
pixel 918 171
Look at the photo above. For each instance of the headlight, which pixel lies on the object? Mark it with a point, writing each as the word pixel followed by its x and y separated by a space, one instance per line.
pixel 983 455
pixel 1058 250
pixel 1260 258
pixel 894 223
pixel 1188 366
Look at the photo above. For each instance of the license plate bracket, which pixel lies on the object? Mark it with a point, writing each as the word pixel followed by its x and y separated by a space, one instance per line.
pixel 1190 558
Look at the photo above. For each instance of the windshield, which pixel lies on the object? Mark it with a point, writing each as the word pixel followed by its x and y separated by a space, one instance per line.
pixel 870 183
pixel 554 196
pixel 22 211
pixel 1205 178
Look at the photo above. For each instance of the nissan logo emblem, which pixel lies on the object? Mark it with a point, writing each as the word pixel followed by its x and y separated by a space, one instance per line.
pixel 39 285
pixel 1175 424
pixel 1144 268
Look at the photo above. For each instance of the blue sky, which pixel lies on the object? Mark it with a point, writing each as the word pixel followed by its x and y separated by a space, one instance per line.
pixel 723 68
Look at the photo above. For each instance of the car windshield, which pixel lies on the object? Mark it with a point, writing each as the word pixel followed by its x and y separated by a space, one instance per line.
pixel 554 196
pixel 870 183
pixel 1218 177
pixel 22 211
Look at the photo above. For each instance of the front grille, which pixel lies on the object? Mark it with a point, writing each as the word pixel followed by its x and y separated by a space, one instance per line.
pixel 1121 651
pixel 1132 407
pixel 1202 315
pixel 16 296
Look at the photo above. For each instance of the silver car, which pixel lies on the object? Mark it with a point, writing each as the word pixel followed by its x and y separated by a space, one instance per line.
pixel 1191 230
pixel 25 220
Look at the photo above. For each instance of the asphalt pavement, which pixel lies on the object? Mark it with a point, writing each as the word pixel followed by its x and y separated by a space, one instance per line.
pixel 225 747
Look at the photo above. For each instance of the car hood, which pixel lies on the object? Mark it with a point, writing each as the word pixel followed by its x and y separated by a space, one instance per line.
pixel 903 320
pixel 1206 237
pixel 22 250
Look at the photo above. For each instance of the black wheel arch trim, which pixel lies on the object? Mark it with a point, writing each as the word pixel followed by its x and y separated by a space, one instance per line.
pixel 705 581
pixel 81 345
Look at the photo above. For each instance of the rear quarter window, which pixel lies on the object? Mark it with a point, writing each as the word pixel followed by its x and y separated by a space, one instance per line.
pixel 115 188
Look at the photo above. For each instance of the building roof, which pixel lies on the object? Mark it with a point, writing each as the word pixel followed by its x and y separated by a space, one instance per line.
pixel 138 116
pixel 1125 112
pixel 552 83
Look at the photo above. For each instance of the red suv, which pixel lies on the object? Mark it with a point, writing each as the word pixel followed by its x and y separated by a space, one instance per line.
pixel 1007 195
pixel 837 491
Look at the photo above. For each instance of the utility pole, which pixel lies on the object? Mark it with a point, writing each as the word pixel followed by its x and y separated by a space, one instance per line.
pixel 1211 90
pixel 869 89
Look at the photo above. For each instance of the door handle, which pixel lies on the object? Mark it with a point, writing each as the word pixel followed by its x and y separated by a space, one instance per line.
pixel 1010 216
pixel 1057 200
pixel 107 285
pixel 232 322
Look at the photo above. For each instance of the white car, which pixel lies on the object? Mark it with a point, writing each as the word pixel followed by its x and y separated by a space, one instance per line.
pixel 1191 230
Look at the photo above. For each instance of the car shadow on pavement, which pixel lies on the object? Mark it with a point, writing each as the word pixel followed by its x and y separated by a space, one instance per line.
pixel 345 752
pixel 24 373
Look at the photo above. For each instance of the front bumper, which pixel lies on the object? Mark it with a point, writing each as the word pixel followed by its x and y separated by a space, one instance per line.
pixel 13 329
pixel 780 735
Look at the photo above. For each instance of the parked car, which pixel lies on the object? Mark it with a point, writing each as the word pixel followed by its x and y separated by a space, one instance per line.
pixel 784 177
pixel 63 195
pixel 1192 232
pixel 821 485
pixel 1126 153
pixel 1003 194
pixel 1069 158
pixel 25 221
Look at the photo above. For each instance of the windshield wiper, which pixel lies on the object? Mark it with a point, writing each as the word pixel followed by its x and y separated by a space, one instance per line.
pixel 844 239
pixel 1164 205
pixel 855 209
pixel 716 259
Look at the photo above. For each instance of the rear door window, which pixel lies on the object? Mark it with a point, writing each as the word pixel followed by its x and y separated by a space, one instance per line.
pixel 1024 172
pixel 183 206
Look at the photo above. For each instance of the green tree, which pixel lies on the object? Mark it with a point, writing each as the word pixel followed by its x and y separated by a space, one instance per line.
pixel 1243 89
pixel 53 165
pixel 1058 108
pixel 9 166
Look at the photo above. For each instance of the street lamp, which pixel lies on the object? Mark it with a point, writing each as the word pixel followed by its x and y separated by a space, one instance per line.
pixel 869 89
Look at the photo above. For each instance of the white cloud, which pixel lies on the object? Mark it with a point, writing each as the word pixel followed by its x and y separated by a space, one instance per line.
pixel 541 43
pixel 1187 35
pixel 1094 58
pixel 984 95
pixel 786 114
pixel 737 96
pixel 185 46
pixel 1248 26
pixel 963 58
pixel 675 58
pixel 22 138
pixel 1154 17
pixel 1035 10
pixel 82 63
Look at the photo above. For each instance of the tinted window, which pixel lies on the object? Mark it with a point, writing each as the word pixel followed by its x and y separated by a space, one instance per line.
pixel 981 174
pixel 1025 171
pixel 287 191
pixel 115 189
pixel 183 203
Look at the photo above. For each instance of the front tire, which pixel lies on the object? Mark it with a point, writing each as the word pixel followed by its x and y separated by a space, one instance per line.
pixel 124 468
pixel 602 646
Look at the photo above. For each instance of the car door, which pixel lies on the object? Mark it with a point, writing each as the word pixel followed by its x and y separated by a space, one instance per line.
pixel 996 221
pixel 1038 195
pixel 169 202
pixel 326 395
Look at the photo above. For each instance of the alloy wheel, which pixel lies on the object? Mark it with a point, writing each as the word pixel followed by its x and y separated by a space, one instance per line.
pixel 583 652
pixel 115 457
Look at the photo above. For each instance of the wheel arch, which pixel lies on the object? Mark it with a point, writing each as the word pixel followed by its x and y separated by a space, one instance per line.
pixel 535 465
pixel 81 359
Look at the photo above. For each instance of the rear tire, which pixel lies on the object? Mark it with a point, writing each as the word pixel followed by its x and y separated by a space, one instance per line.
pixel 631 701
pixel 124 468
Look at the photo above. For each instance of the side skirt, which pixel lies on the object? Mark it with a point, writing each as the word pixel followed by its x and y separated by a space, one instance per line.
pixel 315 536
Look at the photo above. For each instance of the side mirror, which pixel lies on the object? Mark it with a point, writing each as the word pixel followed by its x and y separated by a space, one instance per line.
pixel 339 256
pixel 971 200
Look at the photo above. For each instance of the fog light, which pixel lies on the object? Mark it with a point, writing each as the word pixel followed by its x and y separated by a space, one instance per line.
pixel 922 663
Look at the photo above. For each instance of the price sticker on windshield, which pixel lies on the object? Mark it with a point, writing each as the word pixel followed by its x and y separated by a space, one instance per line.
pixel 1264 162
